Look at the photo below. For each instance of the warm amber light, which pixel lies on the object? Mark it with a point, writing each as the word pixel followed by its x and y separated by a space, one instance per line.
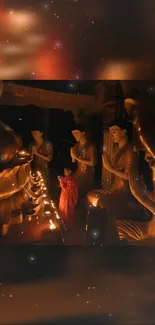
pixel 48 212
pixel 94 204
pixel 57 216
pixel 52 225
pixel 46 202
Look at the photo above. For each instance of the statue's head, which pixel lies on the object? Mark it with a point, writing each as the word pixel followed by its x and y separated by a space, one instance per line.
pixel 78 132
pixel 118 130
pixel 37 134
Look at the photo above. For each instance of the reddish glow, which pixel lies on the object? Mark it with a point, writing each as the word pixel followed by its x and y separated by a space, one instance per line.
pixel 51 64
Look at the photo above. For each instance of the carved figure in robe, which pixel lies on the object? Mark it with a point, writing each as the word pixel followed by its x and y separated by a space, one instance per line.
pixel 118 199
pixel 118 202
pixel 84 154
pixel 143 116
pixel 41 150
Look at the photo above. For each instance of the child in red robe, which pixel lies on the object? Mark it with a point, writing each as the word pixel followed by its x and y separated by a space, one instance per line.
pixel 68 197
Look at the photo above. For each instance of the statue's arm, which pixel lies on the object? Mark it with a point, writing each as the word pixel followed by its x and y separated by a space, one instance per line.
pixel 91 161
pixel 122 174
pixel 139 191
pixel 48 156
pixel 130 161
pixel 118 173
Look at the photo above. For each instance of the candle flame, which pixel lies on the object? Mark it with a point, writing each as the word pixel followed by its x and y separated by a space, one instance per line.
pixel 52 225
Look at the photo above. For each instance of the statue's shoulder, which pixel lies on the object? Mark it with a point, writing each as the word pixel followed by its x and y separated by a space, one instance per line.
pixel 130 152
pixel 48 144
pixel 129 148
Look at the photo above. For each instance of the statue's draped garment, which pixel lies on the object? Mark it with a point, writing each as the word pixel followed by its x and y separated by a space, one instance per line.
pixel 85 174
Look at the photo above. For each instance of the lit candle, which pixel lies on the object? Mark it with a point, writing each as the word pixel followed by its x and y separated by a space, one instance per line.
pixel 46 202
pixel 52 225
pixel 47 212
pixel 57 216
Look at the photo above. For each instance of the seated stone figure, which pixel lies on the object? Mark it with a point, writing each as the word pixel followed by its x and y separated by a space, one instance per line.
pixel 118 204
pixel 118 200
pixel 143 116
pixel 84 154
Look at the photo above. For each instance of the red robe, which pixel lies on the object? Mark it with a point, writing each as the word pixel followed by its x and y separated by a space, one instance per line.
pixel 68 199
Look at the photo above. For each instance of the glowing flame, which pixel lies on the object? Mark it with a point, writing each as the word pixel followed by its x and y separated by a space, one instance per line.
pixel 46 202
pixel 94 204
pixel 57 216
pixel 48 212
pixel 52 225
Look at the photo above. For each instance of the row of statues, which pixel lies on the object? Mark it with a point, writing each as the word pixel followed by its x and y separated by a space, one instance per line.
pixel 126 205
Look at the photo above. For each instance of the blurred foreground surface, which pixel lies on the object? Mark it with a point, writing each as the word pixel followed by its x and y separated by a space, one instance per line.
pixel 73 285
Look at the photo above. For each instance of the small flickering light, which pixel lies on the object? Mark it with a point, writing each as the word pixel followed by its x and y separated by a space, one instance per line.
pixel 44 195
pixel 29 218
pixel 44 188
pixel 52 225
pixel 57 216
pixel 46 202
pixel 47 212
pixel 95 233
pixel 94 204
pixel 32 259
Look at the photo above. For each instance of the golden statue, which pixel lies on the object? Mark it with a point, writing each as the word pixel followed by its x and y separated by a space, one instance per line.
pixel 84 153
pixel 143 117
pixel 118 201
